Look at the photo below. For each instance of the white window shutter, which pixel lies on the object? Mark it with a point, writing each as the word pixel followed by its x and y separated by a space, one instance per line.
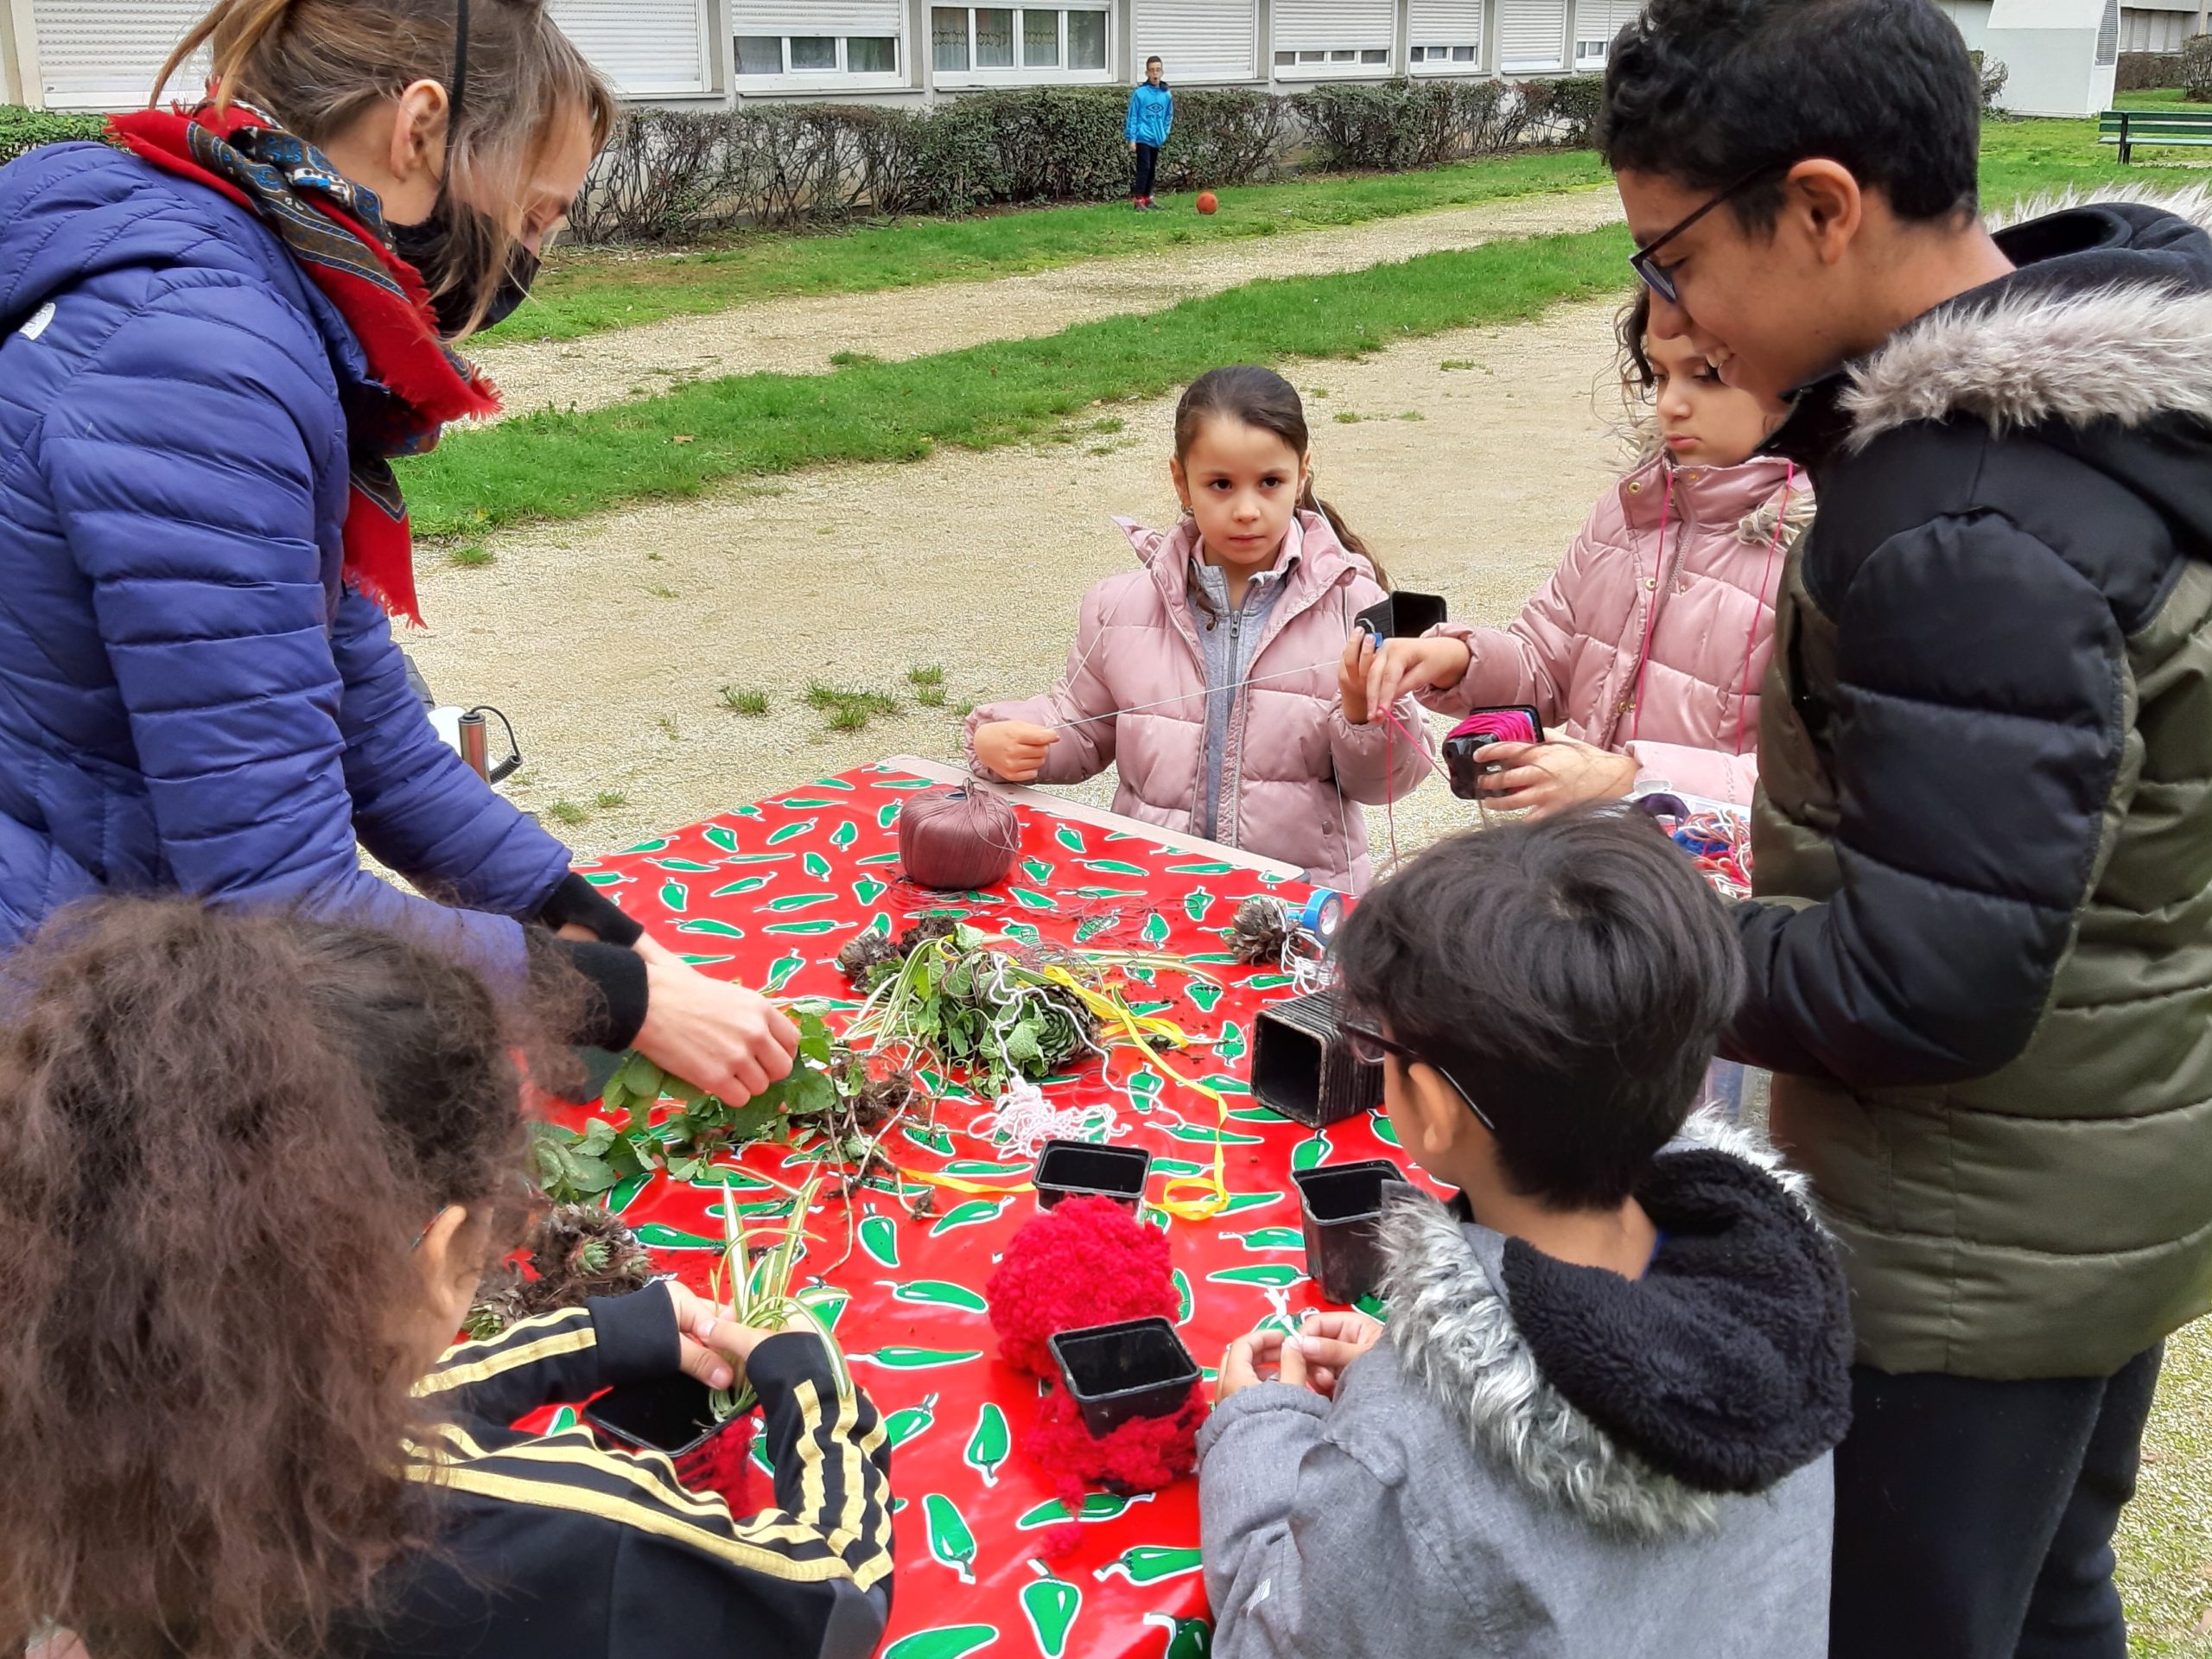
pixel 105 55
pixel 1324 25
pixel 817 17
pixel 1198 40
pixel 1445 23
pixel 1531 35
pixel 648 48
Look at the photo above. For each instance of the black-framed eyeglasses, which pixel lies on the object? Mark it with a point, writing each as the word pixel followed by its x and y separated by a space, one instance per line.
pixel 1369 1045
pixel 1647 267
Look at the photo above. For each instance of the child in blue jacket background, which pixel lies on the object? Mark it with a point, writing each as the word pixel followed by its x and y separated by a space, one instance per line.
pixel 1152 114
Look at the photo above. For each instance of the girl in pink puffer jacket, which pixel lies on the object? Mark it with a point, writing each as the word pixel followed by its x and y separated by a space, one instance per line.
pixel 1645 649
pixel 1226 680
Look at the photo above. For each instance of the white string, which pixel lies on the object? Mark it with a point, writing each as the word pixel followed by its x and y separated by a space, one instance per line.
pixel 1023 1119
pixel 1214 690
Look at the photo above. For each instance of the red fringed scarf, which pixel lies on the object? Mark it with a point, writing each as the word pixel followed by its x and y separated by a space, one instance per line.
pixel 336 233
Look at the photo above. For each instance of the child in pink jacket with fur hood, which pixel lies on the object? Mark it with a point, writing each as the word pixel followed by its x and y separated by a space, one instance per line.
pixel 1646 649
pixel 1227 679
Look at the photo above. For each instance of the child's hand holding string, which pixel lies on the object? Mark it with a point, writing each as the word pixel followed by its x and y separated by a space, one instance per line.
pixel 1014 749
pixel 1353 675
pixel 1407 665
pixel 1541 779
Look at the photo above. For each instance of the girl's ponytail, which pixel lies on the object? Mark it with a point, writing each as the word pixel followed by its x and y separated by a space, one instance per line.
pixel 1309 502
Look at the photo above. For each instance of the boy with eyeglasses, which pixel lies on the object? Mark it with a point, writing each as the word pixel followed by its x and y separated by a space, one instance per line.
pixel 1598 1420
pixel 1980 951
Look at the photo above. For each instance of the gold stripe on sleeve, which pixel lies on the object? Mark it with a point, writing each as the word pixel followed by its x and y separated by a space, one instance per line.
pixel 503 1360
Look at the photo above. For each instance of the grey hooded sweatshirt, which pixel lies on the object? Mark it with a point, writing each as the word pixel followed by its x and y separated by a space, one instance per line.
pixel 1549 1461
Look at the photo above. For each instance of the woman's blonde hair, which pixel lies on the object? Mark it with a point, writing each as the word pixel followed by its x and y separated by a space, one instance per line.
pixel 316 66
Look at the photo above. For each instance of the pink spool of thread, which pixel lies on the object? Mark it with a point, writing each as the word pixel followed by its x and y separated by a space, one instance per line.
pixel 957 839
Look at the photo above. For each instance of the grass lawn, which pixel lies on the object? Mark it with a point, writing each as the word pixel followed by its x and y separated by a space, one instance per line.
pixel 556 465
pixel 2027 158
pixel 586 290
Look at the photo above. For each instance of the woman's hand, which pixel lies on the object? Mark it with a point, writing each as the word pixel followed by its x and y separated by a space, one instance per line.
pixel 1542 778
pixel 715 1346
pixel 1014 749
pixel 1353 675
pixel 1406 665
pixel 719 1037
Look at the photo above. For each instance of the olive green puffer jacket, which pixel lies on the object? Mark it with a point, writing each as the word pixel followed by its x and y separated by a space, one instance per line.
pixel 1981 951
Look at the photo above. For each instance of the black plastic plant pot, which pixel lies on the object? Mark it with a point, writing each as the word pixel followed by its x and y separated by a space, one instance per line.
pixel 1303 1065
pixel 1080 1169
pixel 1341 1206
pixel 673 1415
pixel 1139 1368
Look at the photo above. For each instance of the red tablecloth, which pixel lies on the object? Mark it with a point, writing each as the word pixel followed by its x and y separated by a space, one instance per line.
pixel 766 894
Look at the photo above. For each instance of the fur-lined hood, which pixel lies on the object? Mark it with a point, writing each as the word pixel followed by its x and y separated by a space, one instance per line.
pixel 1639 1406
pixel 2107 318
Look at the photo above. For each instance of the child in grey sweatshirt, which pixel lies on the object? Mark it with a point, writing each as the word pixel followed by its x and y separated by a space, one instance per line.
pixel 1599 1420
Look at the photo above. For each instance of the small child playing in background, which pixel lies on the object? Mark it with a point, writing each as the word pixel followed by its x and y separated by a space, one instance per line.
pixel 1647 647
pixel 1599 1420
pixel 255 1166
pixel 1227 680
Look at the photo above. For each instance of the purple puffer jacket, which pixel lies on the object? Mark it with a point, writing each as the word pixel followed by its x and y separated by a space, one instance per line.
pixel 1588 644
pixel 1297 768
pixel 190 699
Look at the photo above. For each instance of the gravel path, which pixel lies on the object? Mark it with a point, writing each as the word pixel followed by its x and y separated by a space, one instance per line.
pixel 607 641
pixel 798 335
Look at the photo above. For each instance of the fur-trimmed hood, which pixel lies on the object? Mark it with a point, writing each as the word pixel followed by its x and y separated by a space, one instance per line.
pixel 2106 320
pixel 1639 1406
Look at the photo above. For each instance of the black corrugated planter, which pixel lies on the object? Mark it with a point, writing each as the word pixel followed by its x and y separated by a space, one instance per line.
pixel 1138 1368
pixel 1070 1169
pixel 1341 1206
pixel 1303 1065
pixel 673 1415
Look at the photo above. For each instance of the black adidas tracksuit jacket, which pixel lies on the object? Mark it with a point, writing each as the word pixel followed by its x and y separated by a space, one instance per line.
pixel 548 1547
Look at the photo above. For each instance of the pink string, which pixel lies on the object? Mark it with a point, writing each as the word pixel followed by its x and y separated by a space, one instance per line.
pixel 1759 608
pixel 1651 620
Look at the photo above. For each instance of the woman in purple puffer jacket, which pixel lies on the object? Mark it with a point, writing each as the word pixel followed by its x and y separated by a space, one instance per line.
pixel 211 346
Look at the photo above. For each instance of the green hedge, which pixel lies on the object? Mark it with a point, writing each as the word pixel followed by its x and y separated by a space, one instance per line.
pixel 670 175
pixel 22 129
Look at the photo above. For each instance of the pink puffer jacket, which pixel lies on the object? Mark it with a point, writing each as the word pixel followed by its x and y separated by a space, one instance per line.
pixel 1575 652
pixel 1296 769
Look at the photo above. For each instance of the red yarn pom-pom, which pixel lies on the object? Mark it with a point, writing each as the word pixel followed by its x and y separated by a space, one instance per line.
pixel 1142 1455
pixel 1086 1261
pixel 723 1466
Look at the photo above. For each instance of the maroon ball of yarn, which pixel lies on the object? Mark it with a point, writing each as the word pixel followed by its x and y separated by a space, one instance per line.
pixel 957 839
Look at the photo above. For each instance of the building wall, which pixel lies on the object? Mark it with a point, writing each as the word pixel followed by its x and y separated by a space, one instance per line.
pixel 2147 28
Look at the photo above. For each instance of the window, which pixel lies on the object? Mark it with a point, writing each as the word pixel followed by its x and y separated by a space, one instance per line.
pixel 948 38
pixel 1086 40
pixel 1374 55
pixel 1443 54
pixel 819 56
pixel 1006 45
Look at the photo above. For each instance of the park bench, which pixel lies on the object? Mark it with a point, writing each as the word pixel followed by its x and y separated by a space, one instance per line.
pixel 2128 128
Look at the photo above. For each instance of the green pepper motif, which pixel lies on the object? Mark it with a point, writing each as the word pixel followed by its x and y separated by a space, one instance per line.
pixel 1230 1044
pixel 659 844
pixel 758 858
pixel 1155 930
pixel 826 1304
pixel 918 1359
pixel 901 1426
pixel 1187 1638
pixel 792 832
pixel 1206 996
pixel 1150 1564
pixel 950 1542
pixel 707 924
pixel 1050 1604
pixel 1275 1275
pixel 705 962
pixel 970 1214
pixel 1038 871
pixel 658 1236
pixel 1311 1152
pixel 718 836
pixel 674 896
pixel 937 1292
pixel 801 901
pixel 845 834
pixel 947 1642
pixel 990 1445
pixel 796 804
pixel 1206 1133
pixel 880 1238
pixel 1385 1130
pixel 562 1420
pixel 605 879
pixel 809 929
pixel 1144 1087
pixel 1091 926
pixel 744 884
pixel 1203 869
pixel 1272 1238
pixel 1022 930
pixel 760 1458
pixel 1271 981
pixel 887 814
pixel 684 866
pixel 1096 1506
pixel 780 972
pixel 868 890
pixel 1029 900
pixel 935 1140
pixel 816 865
pixel 1185 1303
pixel 1257 1115
pixel 980 1169
pixel 874 859
pixel 1113 867
pixel 1071 838
pixel 1196 903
